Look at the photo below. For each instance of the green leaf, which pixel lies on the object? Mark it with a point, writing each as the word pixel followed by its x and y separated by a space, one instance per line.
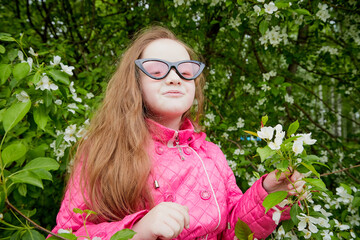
pixel 283 165
pixel 316 183
pixel 124 234
pixel 89 212
pixel 15 113
pixel 59 76
pixel 13 152
pixel 252 133
pixel 69 236
pixel 262 28
pixel 27 177
pixel 7 38
pixel 321 164
pixel 22 189
pixel 2 49
pixel 78 210
pixel 32 235
pixel 265 152
pixel 290 139
pixel 2 199
pixel 355 203
pixel 264 120
pixel 5 72
pixel 292 128
pixel 287 225
pixel 35 79
pixel 21 70
pixel 42 163
pixel 47 96
pixel 273 199
pixel 294 212
pixel 302 11
pixel 40 116
pixel 311 168
pixel 43 174
pixel 242 230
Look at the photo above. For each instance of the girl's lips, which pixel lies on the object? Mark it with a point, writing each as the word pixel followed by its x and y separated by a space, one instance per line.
pixel 173 93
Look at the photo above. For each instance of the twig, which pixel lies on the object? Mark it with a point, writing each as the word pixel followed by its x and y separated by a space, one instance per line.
pixel 341 170
pixel 32 222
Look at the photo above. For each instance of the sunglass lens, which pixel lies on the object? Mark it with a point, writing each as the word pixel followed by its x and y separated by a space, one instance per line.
pixel 155 68
pixel 188 69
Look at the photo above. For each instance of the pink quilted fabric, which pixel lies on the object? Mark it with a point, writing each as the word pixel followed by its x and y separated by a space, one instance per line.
pixel 190 171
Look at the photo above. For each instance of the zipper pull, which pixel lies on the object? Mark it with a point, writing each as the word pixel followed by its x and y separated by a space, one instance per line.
pixel 178 146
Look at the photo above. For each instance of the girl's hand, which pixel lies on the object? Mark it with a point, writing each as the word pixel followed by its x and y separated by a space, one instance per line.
pixel 164 221
pixel 271 184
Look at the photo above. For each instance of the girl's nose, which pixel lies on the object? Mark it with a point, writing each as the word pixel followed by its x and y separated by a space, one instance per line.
pixel 173 78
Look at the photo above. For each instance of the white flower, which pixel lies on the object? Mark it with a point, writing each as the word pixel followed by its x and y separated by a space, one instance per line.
pixel 307 234
pixel 261 168
pixel 298 147
pixel 67 69
pixel 276 215
pixel 96 238
pixel 45 83
pixel 232 164
pixel 210 116
pixel 324 222
pixel 69 135
pixel 58 102
pixel 56 61
pixel 326 235
pixel 323 13
pixel 225 135
pixel 289 99
pixel 257 9
pixel 306 138
pixel 266 133
pixel 76 98
pixel 342 227
pixel 307 220
pixel 71 87
pixel 275 145
pixel 71 107
pixel 237 152
pixel 30 62
pixel 21 56
pixel 89 95
pixel 63 231
pixel 31 51
pixel 22 97
pixel 354 220
pixel 240 123
pixel 265 87
pixel 261 1
pixel 270 8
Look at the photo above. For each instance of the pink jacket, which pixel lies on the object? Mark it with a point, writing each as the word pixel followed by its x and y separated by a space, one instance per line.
pixel 192 172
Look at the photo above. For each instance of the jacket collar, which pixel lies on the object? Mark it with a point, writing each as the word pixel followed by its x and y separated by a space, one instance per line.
pixel 186 135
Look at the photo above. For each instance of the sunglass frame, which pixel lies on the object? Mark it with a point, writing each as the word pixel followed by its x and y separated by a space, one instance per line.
pixel 139 64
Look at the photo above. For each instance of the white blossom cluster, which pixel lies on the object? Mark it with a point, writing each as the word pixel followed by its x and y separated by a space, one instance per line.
pixel 274 36
pixel 71 134
pixel 323 13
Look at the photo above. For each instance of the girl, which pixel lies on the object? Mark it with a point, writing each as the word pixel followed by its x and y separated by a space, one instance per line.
pixel 144 166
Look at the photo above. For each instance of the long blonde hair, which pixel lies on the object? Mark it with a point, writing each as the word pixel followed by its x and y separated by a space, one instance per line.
pixel 113 156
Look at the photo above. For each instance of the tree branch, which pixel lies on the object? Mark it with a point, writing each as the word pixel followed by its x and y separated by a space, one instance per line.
pixel 31 221
pixel 315 123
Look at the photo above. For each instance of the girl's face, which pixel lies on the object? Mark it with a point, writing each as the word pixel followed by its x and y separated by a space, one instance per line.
pixel 167 99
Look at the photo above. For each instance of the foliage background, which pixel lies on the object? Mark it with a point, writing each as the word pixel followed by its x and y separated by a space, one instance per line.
pixel 298 62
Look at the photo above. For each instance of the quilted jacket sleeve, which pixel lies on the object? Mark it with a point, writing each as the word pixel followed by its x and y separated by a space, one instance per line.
pixel 248 207
pixel 67 219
